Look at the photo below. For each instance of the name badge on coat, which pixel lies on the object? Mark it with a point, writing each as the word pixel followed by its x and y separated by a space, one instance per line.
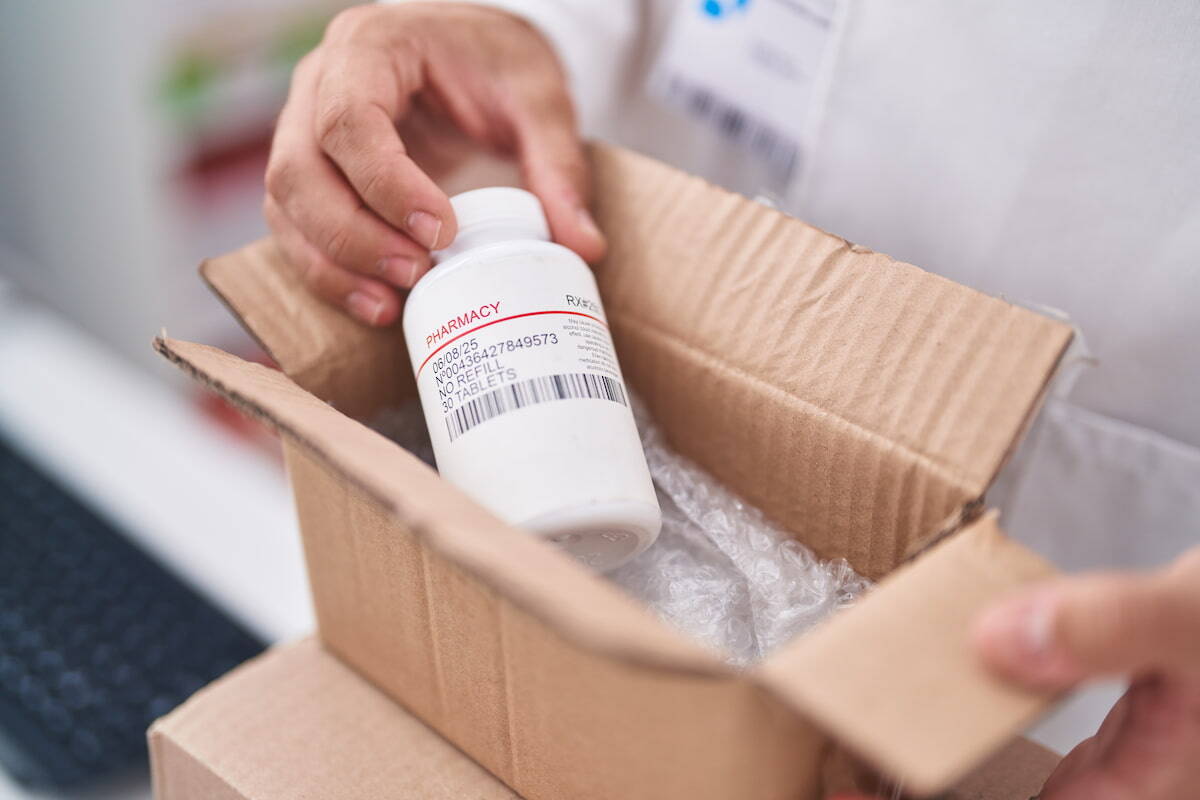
pixel 751 69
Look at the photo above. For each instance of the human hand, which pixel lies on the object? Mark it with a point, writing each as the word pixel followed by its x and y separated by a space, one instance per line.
pixel 1145 627
pixel 393 93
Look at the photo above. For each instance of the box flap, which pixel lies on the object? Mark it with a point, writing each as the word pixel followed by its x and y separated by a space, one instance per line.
pixel 894 677
pixel 536 577
pixel 296 722
pixel 1018 772
pixel 856 399
pixel 357 369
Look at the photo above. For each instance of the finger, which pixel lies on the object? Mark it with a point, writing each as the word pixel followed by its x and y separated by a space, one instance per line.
pixel 1080 759
pixel 367 300
pixel 1148 748
pixel 436 144
pixel 1092 785
pixel 1114 721
pixel 1090 753
pixel 1059 633
pixel 555 168
pixel 359 97
pixel 319 202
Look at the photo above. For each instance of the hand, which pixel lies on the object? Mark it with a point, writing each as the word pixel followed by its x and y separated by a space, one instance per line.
pixel 391 93
pixel 1144 627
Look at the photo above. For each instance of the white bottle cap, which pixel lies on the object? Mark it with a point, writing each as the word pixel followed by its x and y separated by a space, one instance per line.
pixel 495 214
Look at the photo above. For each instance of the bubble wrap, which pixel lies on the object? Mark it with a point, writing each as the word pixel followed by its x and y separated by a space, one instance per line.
pixel 719 571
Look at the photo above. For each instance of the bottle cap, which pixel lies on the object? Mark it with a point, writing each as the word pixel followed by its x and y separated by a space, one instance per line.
pixel 500 205
pixel 495 214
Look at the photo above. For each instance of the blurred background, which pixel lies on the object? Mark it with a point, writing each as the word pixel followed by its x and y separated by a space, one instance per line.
pixel 133 141
pixel 135 138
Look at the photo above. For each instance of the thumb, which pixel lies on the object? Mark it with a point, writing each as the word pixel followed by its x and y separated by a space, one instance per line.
pixel 1057 634
pixel 555 168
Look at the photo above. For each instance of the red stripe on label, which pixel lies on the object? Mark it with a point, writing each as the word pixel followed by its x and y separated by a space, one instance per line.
pixel 497 322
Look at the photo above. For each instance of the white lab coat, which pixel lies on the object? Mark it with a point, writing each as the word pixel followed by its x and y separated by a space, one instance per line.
pixel 1045 152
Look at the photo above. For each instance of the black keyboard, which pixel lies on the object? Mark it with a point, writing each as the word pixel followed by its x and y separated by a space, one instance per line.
pixel 97 639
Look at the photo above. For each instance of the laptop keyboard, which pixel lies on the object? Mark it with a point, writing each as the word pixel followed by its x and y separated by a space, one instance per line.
pixel 97 639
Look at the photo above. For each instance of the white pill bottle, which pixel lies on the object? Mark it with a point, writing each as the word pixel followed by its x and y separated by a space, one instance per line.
pixel 519 382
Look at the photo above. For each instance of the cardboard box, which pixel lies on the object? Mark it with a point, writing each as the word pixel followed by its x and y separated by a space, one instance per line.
pixel 297 722
pixel 860 402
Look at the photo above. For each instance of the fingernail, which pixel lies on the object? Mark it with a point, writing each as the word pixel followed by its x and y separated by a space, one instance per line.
pixel 1019 638
pixel 398 270
pixel 1022 626
pixel 365 306
pixel 1037 625
pixel 425 228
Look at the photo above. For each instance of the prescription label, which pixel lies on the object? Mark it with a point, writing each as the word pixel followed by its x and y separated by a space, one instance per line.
pixel 513 342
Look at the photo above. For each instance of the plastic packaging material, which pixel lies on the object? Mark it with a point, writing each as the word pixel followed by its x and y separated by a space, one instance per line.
pixel 719 571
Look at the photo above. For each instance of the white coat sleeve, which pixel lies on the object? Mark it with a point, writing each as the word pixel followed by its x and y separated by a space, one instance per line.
pixel 596 41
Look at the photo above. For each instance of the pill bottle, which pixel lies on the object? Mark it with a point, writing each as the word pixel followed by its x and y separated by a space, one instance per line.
pixel 526 406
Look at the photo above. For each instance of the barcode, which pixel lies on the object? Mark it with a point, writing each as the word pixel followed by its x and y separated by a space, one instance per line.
pixel 780 151
pixel 531 392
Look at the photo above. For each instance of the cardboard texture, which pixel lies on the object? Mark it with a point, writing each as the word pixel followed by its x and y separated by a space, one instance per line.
pixel 860 402
pixel 903 721
pixel 296 722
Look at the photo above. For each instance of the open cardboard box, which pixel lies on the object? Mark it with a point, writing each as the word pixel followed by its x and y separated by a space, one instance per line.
pixel 297 722
pixel 863 404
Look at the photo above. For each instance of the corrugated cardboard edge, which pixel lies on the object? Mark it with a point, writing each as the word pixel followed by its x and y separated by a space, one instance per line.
pixel 861 357
pixel 895 678
pixel 974 509
pixel 297 722
pixel 1017 772
pixel 318 346
pixel 170 763
pixel 600 617
pixel 234 287
pixel 200 749
pixel 206 271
